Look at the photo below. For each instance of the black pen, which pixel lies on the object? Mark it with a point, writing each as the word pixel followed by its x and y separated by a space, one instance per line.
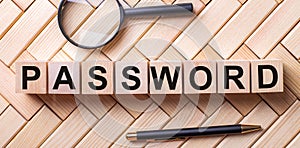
pixel 176 134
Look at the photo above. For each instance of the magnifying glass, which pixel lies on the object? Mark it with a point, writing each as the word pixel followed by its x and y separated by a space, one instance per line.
pixel 92 24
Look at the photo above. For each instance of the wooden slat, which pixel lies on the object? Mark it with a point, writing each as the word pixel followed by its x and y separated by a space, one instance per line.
pixel 246 19
pixel 23 4
pixel 61 56
pixel 208 53
pixel 292 41
pixel 27 105
pixel 262 115
pixel 295 143
pixel 10 123
pixel 280 102
pixel 97 55
pixel 226 114
pixel 244 102
pixel 242 1
pixel 134 104
pixel 55 2
pixel 25 30
pixel 51 39
pixel 291 67
pixel 208 103
pixel 171 54
pixel 152 118
pixel 25 56
pixel 171 104
pixel 269 33
pixel 244 53
pixel 72 129
pixel 160 36
pixel 3 104
pixel 285 128
pixel 190 116
pixel 98 105
pixel 79 54
pixel 168 1
pixel 205 26
pixel 132 2
pixel 133 30
pixel 9 14
pixel 205 1
pixel 133 56
pixel 40 127
pixel 62 105
pixel 108 129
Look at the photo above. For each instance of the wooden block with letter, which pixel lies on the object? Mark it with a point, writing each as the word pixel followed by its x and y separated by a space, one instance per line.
pixel 267 76
pixel 200 77
pixel 233 77
pixel 165 77
pixel 131 77
pixel 31 77
pixel 97 77
pixel 63 78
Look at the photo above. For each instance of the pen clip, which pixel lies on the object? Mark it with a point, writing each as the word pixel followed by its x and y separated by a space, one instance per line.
pixel 169 139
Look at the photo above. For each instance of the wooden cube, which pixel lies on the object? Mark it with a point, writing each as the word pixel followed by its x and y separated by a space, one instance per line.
pixel 31 77
pixel 97 77
pixel 131 77
pixel 64 77
pixel 200 77
pixel 267 76
pixel 233 76
pixel 165 77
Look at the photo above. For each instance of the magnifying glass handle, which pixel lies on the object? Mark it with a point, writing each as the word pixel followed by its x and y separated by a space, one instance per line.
pixel 159 10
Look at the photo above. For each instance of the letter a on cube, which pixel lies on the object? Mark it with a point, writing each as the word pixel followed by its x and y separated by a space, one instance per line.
pixel 64 77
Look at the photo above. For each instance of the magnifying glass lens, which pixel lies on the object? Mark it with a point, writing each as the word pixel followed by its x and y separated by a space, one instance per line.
pixel 90 24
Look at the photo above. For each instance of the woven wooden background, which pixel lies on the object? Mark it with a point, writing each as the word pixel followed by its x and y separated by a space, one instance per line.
pixel 243 29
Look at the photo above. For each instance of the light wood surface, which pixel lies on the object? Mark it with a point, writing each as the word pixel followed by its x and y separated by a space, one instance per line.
pixel 202 29
pixel 292 41
pixel 15 121
pixel 9 14
pixel 31 26
pixel 3 104
pixel 40 127
pixel 219 30
pixel 268 35
pixel 230 38
pixel 23 4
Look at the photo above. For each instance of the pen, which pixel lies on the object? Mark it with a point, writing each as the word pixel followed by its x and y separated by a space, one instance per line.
pixel 176 134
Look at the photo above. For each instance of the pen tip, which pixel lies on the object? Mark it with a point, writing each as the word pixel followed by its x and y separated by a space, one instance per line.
pixel 250 128
pixel 131 136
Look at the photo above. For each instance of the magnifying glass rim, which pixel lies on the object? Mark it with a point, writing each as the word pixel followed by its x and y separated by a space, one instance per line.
pixel 60 25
